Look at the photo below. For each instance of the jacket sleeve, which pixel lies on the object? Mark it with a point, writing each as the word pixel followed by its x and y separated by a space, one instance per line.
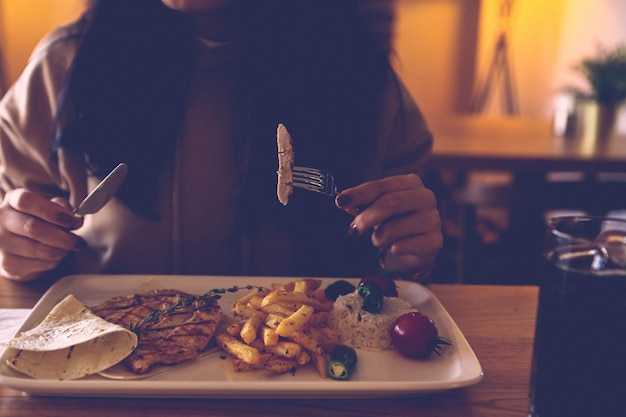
pixel 404 139
pixel 26 119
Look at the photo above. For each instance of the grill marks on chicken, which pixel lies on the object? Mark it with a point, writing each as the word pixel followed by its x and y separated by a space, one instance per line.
pixel 172 336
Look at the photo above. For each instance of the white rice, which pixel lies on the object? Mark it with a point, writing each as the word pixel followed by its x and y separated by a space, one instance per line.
pixel 361 329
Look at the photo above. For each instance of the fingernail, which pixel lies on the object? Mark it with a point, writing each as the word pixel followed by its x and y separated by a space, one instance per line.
pixel 354 231
pixel 66 220
pixel 343 200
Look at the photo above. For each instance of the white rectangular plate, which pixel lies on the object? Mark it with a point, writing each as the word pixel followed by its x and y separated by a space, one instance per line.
pixel 378 374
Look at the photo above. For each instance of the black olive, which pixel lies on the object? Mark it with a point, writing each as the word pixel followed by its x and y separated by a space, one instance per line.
pixel 338 288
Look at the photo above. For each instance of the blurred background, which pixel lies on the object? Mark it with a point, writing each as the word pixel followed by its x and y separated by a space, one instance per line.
pixel 491 59
pixel 442 48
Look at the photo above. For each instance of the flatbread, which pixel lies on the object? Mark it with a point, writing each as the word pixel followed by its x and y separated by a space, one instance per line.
pixel 71 342
pixel 284 187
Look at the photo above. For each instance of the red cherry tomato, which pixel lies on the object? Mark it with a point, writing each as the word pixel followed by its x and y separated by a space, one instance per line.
pixel 387 284
pixel 415 335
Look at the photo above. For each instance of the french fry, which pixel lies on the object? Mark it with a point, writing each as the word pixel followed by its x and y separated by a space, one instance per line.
pixel 295 322
pixel 242 366
pixel 321 363
pixel 283 348
pixel 273 320
pixel 261 291
pixel 255 301
pixel 284 287
pixel 286 349
pixel 306 341
pixel 318 295
pixel 326 305
pixel 318 318
pixel 280 365
pixel 245 306
pixel 269 336
pixel 284 297
pixel 238 349
pixel 308 284
pixel 258 345
pixel 243 310
pixel 284 309
pixel 250 328
pixel 234 329
pixel 326 337
pixel 300 286
pixel 303 358
pixel 284 328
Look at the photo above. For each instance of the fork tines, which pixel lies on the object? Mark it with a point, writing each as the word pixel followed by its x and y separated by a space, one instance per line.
pixel 314 180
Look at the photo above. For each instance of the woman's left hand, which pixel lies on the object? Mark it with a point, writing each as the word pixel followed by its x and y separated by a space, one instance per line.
pixel 403 217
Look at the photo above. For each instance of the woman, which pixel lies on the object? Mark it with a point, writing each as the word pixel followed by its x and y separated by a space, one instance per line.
pixel 189 95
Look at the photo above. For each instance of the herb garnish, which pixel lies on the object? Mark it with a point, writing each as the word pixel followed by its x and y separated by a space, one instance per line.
pixel 209 296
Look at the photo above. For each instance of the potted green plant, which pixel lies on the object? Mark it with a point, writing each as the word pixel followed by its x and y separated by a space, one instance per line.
pixel 606 74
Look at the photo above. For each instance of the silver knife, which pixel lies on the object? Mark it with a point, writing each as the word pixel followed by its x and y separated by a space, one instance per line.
pixel 103 192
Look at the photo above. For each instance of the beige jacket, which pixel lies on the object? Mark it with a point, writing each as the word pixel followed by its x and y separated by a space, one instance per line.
pixel 196 235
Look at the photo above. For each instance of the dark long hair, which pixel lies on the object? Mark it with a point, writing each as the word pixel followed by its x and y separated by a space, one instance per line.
pixel 125 95
pixel 312 65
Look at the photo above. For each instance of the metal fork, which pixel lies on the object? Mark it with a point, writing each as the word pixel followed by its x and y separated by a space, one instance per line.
pixel 313 179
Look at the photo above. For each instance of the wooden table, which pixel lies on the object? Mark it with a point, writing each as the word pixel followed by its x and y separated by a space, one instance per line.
pixel 519 144
pixel 526 151
pixel 498 322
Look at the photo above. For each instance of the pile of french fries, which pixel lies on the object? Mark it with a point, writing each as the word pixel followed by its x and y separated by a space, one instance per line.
pixel 281 329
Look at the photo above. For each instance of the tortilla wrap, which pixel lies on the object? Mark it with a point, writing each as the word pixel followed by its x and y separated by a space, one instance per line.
pixel 71 342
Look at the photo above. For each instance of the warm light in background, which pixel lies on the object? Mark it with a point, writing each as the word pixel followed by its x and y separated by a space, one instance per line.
pixel 435 45
pixel 442 47
pixel 533 30
pixel 546 39
pixel 24 22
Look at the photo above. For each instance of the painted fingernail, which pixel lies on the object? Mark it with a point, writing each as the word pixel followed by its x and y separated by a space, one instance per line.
pixel 343 200
pixel 354 231
pixel 66 220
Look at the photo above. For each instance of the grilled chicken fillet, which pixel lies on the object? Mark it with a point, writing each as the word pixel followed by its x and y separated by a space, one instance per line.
pixel 172 336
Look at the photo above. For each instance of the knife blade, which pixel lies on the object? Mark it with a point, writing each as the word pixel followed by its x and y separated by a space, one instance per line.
pixel 103 192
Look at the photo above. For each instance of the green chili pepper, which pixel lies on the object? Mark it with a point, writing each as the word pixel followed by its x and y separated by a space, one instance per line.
pixel 342 362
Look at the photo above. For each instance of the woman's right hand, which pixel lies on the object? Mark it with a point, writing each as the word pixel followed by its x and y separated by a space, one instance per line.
pixel 35 234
